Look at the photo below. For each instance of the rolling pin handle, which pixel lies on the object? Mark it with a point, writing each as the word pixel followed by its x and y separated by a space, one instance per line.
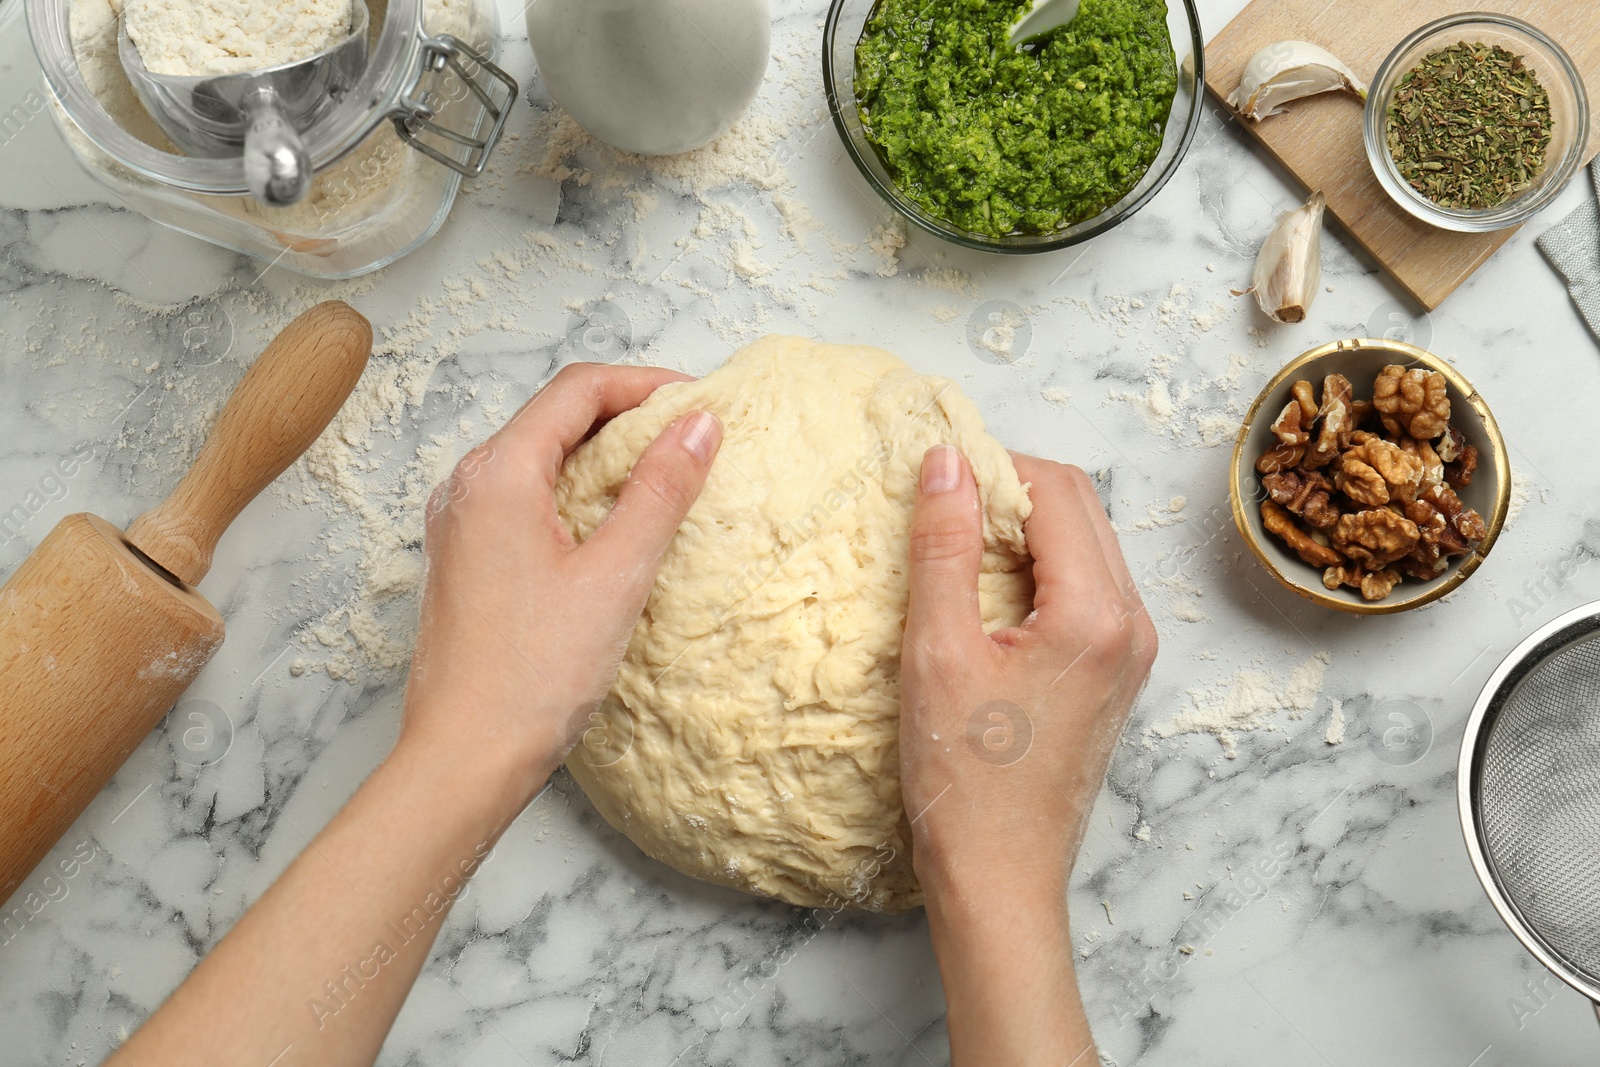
pixel 280 407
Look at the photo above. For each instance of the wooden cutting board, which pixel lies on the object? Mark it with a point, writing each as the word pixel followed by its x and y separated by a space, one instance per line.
pixel 1319 139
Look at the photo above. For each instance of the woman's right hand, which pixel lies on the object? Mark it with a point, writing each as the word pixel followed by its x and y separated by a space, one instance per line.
pixel 1004 742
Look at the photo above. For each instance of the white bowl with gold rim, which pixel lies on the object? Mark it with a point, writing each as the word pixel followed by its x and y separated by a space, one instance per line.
pixel 1361 360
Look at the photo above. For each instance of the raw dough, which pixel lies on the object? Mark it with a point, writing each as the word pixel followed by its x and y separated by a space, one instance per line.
pixel 751 738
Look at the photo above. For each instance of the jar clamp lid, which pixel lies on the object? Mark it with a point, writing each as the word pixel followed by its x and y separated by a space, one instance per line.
pixel 402 60
pixel 417 109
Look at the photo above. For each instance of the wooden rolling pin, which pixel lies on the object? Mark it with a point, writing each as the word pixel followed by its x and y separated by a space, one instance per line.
pixel 101 631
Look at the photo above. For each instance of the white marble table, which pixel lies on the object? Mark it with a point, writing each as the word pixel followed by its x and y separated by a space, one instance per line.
pixel 1323 889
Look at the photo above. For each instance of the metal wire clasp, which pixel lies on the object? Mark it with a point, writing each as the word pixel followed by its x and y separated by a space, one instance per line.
pixel 414 115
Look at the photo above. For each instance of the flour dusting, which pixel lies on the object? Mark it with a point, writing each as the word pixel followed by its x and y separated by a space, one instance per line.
pixel 1251 701
pixel 1335 733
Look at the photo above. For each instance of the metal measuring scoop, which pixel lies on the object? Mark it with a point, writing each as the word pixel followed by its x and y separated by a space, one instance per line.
pixel 258 114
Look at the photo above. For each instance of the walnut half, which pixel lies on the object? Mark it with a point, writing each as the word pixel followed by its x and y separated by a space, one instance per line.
pixel 1281 524
pixel 1415 401
pixel 1375 472
pixel 1424 453
pixel 1459 471
pixel 1336 422
pixel 1303 493
pixel 1375 538
pixel 1449 528
pixel 1292 427
pixel 1373 585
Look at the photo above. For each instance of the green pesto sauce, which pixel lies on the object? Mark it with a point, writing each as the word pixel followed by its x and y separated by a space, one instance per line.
pixel 998 140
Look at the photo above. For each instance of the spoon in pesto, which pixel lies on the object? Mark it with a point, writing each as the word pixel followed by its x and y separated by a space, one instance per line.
pixel 1046 15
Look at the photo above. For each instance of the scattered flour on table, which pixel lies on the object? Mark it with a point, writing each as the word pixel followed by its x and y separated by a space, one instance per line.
pixel 1335 734
pixel 887 241
pixel 1197 410
pixel 1168 514
pixel 1251 701
pixel 999 340
pixel 1522 490
pixel 999 335
pixel 948 280
pixel 389 516
pixel 644 202
pixel 740 184
pixel 796 216
pixel 1180 594
pixel 746 153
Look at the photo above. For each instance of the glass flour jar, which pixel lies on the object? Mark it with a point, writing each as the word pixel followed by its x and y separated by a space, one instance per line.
pixel 387 159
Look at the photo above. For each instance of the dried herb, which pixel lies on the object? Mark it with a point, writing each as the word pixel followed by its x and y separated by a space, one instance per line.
pixel 1469 126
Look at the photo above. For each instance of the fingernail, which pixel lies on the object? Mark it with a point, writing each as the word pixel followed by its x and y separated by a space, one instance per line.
pixel 941 469
pixel 701 434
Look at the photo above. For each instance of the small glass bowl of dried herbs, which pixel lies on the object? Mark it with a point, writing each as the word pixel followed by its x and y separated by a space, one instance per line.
pixel 1476 122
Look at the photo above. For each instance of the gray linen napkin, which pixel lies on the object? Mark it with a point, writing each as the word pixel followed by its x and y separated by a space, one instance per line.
pixel 1573 245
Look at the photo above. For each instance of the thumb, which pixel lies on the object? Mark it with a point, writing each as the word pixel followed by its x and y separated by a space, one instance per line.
pixel 946 549
pixel 663 485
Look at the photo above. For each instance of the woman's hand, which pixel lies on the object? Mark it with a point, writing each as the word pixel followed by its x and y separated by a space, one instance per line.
pixel 1004 741
pixel 522 629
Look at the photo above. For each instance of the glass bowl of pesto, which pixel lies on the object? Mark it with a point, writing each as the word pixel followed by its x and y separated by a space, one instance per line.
pixel 1476 122
pixel 1008 150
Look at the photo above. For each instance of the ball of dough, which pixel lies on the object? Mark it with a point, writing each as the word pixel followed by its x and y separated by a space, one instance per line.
pixel 751 738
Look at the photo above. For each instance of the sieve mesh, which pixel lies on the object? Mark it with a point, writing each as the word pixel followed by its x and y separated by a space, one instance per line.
pixel 1538 800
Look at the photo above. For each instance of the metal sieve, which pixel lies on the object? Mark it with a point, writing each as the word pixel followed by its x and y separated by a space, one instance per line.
pixel 1529 789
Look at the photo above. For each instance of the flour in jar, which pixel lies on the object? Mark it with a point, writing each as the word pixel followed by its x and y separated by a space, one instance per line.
pixel 346 196
pixel 189 37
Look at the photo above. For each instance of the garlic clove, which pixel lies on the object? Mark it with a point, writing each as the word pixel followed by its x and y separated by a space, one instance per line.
pixel 1288 269
pixel 1290 70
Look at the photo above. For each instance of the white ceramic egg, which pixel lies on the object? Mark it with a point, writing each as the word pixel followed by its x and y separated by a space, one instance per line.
pixel 654 77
